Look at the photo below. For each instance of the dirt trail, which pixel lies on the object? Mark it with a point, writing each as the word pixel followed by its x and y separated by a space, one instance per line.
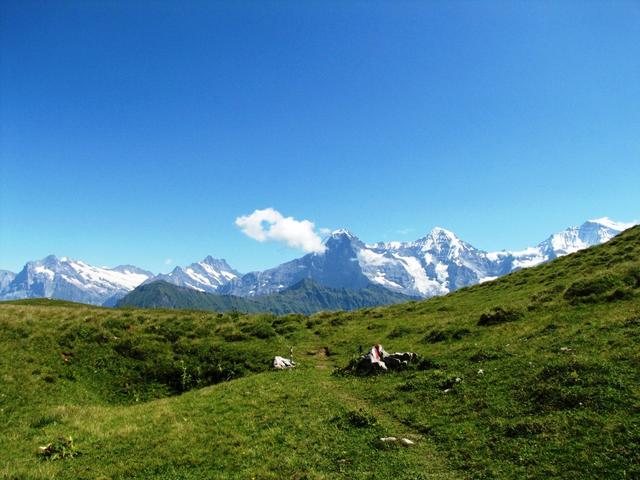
pixel 435 466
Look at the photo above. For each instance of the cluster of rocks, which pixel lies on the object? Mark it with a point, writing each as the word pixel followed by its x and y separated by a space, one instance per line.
pixel 378 360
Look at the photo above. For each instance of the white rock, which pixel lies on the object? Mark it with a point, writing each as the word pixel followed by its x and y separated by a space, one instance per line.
pixel 281 363
pixel 407 442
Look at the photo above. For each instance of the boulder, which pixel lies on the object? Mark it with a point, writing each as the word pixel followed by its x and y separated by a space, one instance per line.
pixel 378 360
pixel 282 363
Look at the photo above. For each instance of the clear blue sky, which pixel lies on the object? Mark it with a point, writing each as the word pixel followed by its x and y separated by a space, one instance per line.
pixel 134 132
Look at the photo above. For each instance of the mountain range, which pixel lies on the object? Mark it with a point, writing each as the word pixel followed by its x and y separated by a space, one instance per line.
pixel 435 264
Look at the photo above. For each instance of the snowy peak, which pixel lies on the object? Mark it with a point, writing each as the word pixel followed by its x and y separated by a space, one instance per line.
pixel 443 244
pixel 613 225
pixel 340 236
pixel 341 242
pixel 217 263
pixel 207 275
pixel 341 232
pixel 336 267
pixel 443 233
pixel 6 277
pixel 132 270
pixel 591 232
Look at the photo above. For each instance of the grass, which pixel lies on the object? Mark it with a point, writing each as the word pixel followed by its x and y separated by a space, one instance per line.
pixel 534 375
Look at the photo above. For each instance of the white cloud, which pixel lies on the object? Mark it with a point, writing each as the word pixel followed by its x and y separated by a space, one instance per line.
pixel 269 224
pixel 168 261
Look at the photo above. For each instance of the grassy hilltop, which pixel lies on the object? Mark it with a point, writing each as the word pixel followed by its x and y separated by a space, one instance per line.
pixel 547 358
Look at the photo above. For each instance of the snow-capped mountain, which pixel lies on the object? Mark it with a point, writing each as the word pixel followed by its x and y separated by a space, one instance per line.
pixel 436 264
pixel 337 267
pixel 73 280
pixel 6 277
pixel 591 232
pixel 207 275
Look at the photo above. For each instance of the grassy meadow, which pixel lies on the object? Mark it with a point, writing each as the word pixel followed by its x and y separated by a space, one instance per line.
pixel 534 375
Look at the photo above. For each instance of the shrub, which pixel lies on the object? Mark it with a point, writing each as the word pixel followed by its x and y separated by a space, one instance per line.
pixel 568 385
pixel 231 334
pixel 400 331
pixel 526 428
pixel 497 316
pixel 441 335
pixel 619 294
pixel 262 330
pixel 426 364
pixel 435 336
pixel 355 418
pixel 59 449
pixel 486 354
pixel 632 277
pixel 591 289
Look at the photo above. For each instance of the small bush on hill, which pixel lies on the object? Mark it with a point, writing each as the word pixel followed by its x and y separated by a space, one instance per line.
pixel 230 333
pixel 355 418
pixel 426 364
pixel 60 449
pixel 261 326
pixel 440 335
pixel 497 316
pixel 400 331
pixel 591 290
pixel 486 354
pixel 563 385
pixel 632 277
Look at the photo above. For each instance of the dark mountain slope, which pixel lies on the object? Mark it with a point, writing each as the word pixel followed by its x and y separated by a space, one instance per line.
pixel 304 297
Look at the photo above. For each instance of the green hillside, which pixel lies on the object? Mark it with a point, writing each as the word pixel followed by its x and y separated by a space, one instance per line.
pixel 304 297
pixel 547 360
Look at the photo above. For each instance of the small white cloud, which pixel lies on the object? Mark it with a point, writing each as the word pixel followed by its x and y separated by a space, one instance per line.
pixel 269 224
pixel 168 261
pixel 404 231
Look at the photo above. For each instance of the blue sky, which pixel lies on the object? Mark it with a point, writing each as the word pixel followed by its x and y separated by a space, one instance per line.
pixel 136 132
